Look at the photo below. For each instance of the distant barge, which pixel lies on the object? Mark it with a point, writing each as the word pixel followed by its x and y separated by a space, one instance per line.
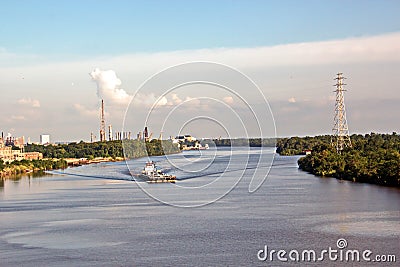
pixel 151 174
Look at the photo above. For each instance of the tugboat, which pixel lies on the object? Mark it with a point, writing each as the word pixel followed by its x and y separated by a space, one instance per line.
pixel 151 174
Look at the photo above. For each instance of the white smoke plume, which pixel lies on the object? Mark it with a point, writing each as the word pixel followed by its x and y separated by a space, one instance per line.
pixel 108 86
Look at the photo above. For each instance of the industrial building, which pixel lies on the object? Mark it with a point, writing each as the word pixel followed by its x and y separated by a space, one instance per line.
pixel 8 154
pixel 146 135
pixel 188 142
pixel 184 138
pixel 44 139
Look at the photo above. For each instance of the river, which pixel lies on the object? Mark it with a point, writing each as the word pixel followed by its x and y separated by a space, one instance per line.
pixel 94 215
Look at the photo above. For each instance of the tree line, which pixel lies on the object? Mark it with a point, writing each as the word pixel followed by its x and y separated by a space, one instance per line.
pixel 22 166
pixel 113 149
pixel 252 142
pixel 373 158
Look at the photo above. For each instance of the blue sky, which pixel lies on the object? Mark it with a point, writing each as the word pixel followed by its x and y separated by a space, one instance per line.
pixel 89 28
pixel 292 50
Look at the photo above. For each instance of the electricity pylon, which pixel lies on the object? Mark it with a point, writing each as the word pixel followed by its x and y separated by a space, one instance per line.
pixel 341 138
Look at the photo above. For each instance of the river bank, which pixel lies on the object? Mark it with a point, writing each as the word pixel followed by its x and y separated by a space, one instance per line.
pixel 84 161
pixel 30 166
pixel 37 166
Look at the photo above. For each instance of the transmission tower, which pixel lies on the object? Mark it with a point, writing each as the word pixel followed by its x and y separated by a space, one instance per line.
pixel 102 123
pixel 341 138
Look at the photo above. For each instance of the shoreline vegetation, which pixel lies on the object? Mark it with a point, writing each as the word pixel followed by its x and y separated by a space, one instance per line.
pixel 76 154
pixel 373 158
pixel 251 142
pixel 30 166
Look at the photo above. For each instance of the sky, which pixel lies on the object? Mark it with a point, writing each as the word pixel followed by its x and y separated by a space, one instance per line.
pixel 277 60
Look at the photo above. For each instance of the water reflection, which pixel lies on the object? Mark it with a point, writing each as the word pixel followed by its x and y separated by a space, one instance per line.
pixel 21 179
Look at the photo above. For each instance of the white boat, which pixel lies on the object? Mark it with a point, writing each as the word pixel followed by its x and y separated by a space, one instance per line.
pixel 151 174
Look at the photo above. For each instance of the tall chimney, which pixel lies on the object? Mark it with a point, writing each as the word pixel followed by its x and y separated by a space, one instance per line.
pixel 110 133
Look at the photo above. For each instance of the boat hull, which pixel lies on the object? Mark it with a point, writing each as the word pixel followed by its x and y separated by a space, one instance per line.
pixel 155 179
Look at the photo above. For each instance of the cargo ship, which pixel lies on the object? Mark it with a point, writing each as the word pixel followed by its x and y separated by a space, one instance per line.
pixel 151 174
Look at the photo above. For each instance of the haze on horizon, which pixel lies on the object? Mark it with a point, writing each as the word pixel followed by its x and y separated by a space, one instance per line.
pixel 57 60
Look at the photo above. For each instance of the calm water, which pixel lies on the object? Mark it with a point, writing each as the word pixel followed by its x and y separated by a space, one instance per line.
pixel 94 216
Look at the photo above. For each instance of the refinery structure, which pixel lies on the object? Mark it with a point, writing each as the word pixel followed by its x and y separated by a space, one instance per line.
pixel 146 135
pixel 185 142
pixel 12 148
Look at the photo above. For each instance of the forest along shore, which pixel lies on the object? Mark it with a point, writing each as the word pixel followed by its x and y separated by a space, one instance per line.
pixel 373 158
pixel 84 161
pixel 76 154
pixel 28 166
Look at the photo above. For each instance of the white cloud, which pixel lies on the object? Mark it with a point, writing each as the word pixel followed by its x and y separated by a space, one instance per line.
pixel 176 99
pixel 108 86
pixel 82 110
pixel 228 100
pixel 29 102
pixel 18 117
pixel 194 103
pixel 351 50
pixel 151 99
pixel 148 100
pixel 364 49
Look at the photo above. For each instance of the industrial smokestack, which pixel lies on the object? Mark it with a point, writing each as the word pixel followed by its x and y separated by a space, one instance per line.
pixel 146 134
pixel 102 123
pixel 110 133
